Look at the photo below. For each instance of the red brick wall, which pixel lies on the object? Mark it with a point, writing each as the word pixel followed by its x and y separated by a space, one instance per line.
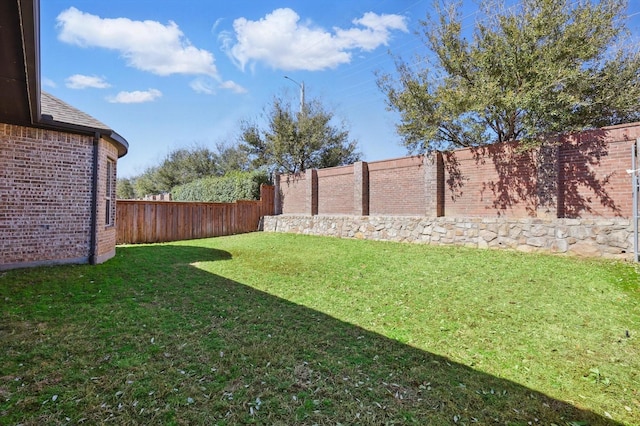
pixel 293 193
pixel 335 190
pixel 590 182
pixel 396 187
pixel 46 197
pixel 580 176
pixel 495 180
pixel 593 178
pixel 106 234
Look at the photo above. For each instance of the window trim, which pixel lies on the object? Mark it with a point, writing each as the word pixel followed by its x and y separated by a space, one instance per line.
pixel 110 193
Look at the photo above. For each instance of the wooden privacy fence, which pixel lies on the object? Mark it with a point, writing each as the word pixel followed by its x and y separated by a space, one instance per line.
pixel 162 221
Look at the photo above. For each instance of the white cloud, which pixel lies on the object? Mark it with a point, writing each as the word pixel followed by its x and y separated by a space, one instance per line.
pixel 377 31
pixel 281 41
pixel 146 45
pixel 216 24
pixel 201 85
pixel 233 86
pixel 208 86
pixel 79 81
pixel 135 97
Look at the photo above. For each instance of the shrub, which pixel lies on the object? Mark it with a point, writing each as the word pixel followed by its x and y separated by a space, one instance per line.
pixel 226 189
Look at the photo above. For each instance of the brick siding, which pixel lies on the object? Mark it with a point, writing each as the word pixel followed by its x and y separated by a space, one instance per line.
pixel 46 197
pixel 107 234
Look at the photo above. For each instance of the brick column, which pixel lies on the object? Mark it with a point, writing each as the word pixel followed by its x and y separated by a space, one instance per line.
pixel 268 199
pixel 434 184
pixel 360 189
pixel 277 196
pixel 312 191
pixel 547 182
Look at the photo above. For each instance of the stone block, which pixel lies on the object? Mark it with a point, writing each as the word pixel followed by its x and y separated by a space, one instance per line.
pixel 539 230
pixel 487 235
pixel 560 246
pixel 619 239
pixel 580 232
pixel 586 249
pixel 537 241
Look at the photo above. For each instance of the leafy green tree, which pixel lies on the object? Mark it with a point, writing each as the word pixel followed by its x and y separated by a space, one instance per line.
pixel 180 166
pixel 185 165
pixel 537 68
pixel 293 142
pixel 124 189
pixel 232 158
pixel 146 183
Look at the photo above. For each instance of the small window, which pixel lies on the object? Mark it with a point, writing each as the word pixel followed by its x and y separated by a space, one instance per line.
pixel 110 193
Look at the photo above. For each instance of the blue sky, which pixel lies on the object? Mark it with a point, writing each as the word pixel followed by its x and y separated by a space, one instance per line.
pixel 167 74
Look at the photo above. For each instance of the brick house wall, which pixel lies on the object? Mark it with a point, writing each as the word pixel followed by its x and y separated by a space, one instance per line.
pixel 106 232
pixel 57 163
pixel 46 197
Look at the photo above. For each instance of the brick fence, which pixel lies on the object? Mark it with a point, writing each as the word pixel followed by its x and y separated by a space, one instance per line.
pixel 579 181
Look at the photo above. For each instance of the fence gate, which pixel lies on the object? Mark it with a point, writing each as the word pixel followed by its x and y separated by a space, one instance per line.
pixel 635 183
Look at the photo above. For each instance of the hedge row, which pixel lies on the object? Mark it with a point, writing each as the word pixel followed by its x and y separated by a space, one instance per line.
pixel 226 189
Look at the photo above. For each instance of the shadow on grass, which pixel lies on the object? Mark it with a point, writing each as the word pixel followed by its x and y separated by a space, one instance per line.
pixel 150 338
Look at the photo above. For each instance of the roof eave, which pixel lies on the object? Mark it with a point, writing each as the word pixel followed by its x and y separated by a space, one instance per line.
pixel 29 19
pixel 121 143
pixel 30 33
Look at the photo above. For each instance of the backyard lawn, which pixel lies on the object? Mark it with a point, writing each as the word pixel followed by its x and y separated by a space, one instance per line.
pixel 288 329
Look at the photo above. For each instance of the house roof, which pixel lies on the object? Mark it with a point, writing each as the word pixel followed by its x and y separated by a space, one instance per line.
pixel 57 114
pixel 54 109
pixel 21 100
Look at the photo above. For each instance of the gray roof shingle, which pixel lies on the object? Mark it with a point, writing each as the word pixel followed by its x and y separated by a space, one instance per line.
pixel 62 112
pixel 60 115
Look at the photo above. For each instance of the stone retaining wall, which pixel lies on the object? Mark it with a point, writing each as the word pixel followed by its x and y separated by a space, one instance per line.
pixel 608 238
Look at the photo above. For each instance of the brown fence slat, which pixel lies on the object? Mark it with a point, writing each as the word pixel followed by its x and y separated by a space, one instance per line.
pixel 162 221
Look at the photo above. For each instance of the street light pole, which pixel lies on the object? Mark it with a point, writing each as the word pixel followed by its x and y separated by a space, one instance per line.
pixel 301 85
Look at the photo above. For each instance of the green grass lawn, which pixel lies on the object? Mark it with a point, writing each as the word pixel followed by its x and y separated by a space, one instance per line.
pixel 287 329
